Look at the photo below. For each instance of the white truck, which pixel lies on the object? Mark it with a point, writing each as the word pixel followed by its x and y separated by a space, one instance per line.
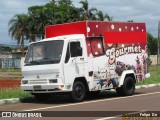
pixel 86 57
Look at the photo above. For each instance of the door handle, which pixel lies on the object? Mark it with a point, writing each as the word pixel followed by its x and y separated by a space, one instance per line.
pixel 81 58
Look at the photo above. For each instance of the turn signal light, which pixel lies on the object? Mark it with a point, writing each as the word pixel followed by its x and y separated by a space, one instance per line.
pixel 62 86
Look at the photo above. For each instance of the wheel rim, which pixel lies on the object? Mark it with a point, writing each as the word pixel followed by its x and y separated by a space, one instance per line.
pixel 78 91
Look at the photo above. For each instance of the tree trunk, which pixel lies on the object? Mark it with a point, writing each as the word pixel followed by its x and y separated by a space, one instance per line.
pixel 22 44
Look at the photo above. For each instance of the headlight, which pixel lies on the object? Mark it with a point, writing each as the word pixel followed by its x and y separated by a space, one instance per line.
pixel 24 81
pixel 52 80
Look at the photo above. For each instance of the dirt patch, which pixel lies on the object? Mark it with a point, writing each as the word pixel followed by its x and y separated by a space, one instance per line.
pixel 9 83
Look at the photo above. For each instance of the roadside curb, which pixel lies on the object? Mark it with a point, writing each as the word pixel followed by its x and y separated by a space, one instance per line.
pixel 15 100
pixel 12 100
pixel 147 86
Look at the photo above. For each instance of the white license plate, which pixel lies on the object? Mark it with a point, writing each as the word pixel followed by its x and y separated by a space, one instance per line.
pixel 37 87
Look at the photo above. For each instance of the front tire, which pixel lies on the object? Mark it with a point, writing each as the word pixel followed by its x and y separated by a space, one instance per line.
pixel 78 93
pixel 127 88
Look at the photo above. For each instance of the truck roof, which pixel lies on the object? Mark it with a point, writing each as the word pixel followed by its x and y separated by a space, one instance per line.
pixel 113 32
pixel 65 37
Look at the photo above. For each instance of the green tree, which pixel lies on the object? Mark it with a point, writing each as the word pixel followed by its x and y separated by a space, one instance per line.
pixel 104 17
pixel 86 13
pixel 41 16
pixel 130 21
pixel 49 14
pixel 66 12
pixel 18 29
pixel 152 44
pixel 32 25
pixel 4 49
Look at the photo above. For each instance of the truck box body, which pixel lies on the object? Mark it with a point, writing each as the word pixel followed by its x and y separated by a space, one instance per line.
pixel 125 32
pixel 126 40
pixel 100 55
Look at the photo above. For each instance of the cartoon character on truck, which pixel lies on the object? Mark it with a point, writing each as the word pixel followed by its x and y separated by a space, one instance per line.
pixel 85 57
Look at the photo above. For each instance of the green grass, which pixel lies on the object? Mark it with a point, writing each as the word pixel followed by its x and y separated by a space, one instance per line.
pixel 15 74
pixel 9 69
pixel 13 93
pixel 12 73
pixel 155 76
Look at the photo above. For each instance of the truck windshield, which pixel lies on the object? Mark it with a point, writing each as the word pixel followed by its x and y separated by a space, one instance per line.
pixel 47 52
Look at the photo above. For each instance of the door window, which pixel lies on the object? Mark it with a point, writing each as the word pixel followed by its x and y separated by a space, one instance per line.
pixel 75 49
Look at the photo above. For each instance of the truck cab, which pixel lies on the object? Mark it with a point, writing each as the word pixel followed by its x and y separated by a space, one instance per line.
pixel 51 65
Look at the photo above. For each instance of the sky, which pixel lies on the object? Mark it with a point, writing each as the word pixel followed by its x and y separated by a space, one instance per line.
pixel 146 11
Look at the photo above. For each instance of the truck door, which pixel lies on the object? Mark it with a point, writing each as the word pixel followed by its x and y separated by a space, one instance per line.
pixel 74 61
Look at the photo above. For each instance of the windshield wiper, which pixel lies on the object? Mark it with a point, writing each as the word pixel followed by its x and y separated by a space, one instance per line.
pixel 46 60
pixel 33 62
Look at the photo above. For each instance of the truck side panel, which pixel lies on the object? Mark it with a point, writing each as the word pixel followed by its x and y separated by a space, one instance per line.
pixel 123 51
pixel 113 48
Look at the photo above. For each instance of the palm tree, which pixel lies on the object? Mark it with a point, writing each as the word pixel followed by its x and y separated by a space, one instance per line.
pixel 84 9
pixel 92 13
pixel 103 17
pixel 18 29
pixel 32 32
pixel 86 13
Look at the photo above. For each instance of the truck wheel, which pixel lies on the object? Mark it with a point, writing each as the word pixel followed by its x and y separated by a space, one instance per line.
pixel 78 93
pixel 42 96
pixel 127 88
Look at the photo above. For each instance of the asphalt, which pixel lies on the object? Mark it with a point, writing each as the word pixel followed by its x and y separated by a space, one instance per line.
pixel 103 107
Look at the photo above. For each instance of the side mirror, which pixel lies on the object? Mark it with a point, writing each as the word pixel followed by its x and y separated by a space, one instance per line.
pixel 79 51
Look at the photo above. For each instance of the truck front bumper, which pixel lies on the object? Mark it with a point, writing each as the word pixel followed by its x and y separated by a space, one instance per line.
pixel 43 88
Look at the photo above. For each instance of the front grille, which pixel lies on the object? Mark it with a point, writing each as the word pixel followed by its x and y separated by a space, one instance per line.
pixel 41 81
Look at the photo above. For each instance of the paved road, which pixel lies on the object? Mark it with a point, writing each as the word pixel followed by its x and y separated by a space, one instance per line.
pixel 144 100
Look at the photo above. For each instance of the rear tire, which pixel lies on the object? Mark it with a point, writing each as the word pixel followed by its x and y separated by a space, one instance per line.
pixel 79 91
pixel 127 88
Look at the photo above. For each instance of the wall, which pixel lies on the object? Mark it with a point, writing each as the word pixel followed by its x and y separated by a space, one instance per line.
pixel 10 63
pixel 153 58
pixel 3 56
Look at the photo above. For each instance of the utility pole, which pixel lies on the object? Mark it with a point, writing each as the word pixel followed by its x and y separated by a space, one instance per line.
pixel 158 54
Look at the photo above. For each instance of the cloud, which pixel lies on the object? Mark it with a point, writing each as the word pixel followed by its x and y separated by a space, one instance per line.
pixel 122 10
pixel 8 9
pixel 137 10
